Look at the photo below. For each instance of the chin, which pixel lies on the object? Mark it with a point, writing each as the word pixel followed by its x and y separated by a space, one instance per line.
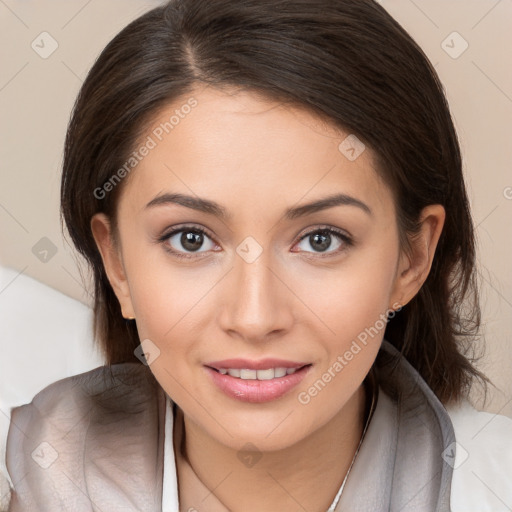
pixel 267 436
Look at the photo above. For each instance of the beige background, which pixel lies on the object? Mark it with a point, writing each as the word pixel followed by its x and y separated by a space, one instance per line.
pixel 36 96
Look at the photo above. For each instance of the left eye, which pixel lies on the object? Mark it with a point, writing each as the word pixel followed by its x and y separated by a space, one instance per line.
pixel 321 240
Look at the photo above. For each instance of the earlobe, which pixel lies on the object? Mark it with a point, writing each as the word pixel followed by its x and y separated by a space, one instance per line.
pixel 415 264
pixel 112 262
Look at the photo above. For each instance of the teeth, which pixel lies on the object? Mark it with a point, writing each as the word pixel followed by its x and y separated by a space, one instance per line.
pixel 279 372
pixel 265 374
pixel 246 374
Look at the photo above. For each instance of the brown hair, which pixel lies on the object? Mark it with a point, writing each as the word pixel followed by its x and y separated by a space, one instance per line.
pixel 348 61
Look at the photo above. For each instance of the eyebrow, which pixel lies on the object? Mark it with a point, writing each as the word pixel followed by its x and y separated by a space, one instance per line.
pixel 213 208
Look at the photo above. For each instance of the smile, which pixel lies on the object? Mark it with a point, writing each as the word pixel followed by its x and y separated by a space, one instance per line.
pixel 256 386
pixel 248 374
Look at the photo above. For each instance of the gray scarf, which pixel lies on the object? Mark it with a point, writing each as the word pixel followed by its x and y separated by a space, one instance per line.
pixel 400 466
pixel 95 442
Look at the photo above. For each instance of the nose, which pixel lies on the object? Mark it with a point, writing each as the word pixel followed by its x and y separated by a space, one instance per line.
pixel 257 304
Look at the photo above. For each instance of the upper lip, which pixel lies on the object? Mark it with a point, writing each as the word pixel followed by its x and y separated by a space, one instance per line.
pixel 262 364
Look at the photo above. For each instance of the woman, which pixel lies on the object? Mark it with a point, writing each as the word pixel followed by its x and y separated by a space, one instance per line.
pixel 270 196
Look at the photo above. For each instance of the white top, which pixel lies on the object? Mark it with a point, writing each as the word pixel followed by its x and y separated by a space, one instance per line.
pixel 483 461
pixel 170 501
pixel 482 465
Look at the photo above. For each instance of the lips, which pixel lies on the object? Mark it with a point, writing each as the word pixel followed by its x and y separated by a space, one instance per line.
pixel 256 390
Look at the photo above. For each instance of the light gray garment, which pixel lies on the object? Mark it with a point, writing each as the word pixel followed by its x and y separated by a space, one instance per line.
pixel 95 442
pixel 400 465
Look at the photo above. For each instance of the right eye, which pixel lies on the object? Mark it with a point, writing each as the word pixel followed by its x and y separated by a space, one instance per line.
pixel 190 238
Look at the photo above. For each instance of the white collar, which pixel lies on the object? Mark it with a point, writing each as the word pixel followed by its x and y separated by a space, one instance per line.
pixel 170 501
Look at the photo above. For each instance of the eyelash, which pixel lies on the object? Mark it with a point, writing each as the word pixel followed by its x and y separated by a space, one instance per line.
pixel 347 240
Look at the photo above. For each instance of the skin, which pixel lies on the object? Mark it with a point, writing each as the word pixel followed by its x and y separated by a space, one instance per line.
pixel 257 157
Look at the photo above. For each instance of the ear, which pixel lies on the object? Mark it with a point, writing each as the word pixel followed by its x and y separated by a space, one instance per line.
pixel 112 261
pixel 414 265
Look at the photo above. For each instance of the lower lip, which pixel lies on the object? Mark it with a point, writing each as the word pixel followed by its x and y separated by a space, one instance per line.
pixel 257 391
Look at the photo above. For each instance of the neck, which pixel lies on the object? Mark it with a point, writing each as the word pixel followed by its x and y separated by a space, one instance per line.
pixel 307 474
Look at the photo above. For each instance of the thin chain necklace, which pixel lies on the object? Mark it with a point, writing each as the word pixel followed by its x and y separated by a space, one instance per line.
pixel 372 380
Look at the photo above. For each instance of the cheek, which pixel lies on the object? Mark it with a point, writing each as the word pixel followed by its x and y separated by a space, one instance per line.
pixel 352 307
pixel 353 297
pixel 165 293
pixel 172 311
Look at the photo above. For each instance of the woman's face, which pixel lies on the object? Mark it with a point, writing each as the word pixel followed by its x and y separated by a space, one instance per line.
pixel 263 281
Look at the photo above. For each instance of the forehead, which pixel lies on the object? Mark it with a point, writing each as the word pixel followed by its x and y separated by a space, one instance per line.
pixel 243 149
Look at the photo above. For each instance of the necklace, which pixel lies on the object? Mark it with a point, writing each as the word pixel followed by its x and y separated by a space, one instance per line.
pixel 372 381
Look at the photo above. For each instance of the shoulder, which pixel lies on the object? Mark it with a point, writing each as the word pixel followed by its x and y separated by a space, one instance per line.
pixel 71 420
pixel 482 462
pixel 106 388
